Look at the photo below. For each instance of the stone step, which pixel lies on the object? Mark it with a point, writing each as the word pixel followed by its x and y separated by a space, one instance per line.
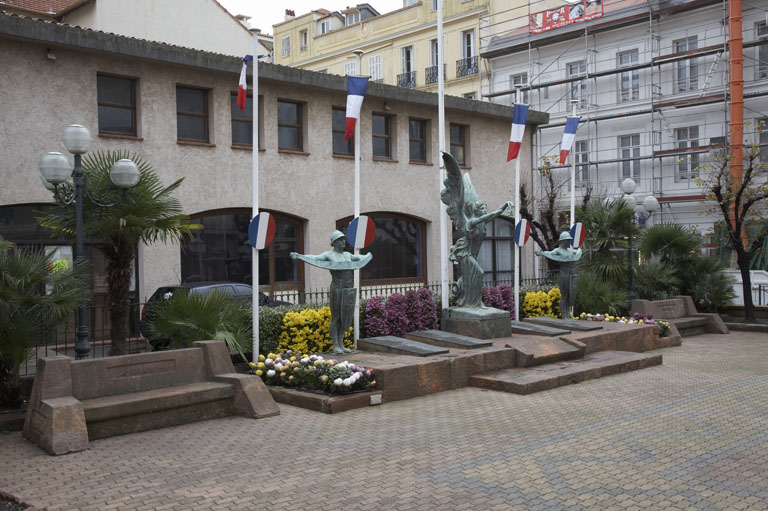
pixel 400 346
pixel 550 376
pixel 521 327
pixel 447 340
pixel 566 324
pixel 544 350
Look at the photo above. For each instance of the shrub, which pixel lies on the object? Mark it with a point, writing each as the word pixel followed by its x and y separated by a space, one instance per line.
pixel 540 303
pixel 397 314
pixel 656 281
pixel 594 293
pixel 500 297
pixel 375 317
pixel 422 310
pixel 308 332
pixel 416 310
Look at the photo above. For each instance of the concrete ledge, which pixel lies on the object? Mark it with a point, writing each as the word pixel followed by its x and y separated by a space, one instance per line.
pixel 324 403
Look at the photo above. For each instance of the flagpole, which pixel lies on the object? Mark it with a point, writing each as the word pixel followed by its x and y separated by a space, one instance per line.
pixel 444 293
pixel 255 195
pixel 574 102
pixel 356 336
pixel 517 220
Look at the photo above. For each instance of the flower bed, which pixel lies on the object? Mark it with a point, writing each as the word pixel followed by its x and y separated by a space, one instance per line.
pixel 637 318
pixel 312 372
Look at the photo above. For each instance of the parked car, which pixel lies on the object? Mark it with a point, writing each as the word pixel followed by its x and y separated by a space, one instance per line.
pixel 238 291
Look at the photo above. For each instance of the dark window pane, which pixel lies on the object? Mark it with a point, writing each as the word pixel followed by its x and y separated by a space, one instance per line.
pixel 191 127
pixel 288 138
pixel 115 90
pixel 286 269
pixel 381 147
pixel 341 147
pixel 263 267
pixel 416 129
pixel 457 134
pixel 116 119
pixel 242 133
pixel 288 113
pixel 190 100
pixel 417 150
pixel 380 125
pixel 398 246
pixel 285 230
pixel 339 119
pixel 239 114
pixel 457 152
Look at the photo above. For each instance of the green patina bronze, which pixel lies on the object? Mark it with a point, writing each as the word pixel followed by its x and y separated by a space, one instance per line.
pixel 343 291
pixel 566 257
pixel 469 215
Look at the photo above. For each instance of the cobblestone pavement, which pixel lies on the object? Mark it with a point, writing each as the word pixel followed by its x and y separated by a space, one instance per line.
pixel 690 434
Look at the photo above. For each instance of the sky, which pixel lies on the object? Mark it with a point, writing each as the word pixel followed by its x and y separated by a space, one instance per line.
pixel 265 13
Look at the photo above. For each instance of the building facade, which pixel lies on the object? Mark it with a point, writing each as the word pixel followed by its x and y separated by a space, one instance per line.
pixel 650 82
pixel 199 24
pixel 399 47
pixel 176 108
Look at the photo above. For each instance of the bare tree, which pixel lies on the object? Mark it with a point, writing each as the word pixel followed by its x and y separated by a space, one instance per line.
pixel 738 200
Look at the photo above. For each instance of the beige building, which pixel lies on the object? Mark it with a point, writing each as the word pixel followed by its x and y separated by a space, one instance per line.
pixel 399 47
pixel 175 107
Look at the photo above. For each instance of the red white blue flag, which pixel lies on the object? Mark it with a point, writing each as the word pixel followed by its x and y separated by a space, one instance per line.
pixel 361 231
pixel 571 125
pixel 261 231
pixel 578 233
pixel 356 86
pixel 519 116
pixel 242 86
pixel 522 232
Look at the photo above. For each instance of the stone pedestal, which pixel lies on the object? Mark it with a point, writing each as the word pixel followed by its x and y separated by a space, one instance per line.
pixel 486 323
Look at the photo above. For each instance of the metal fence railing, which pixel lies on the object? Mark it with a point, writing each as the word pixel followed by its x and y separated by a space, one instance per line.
pixel 62 340
pixel 760 294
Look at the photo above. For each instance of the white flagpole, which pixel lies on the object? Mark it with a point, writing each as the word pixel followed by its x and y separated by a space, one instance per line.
pixel 356 337
pixel 255 194
pixel 444 233
pixel 517 220
pixel 574 102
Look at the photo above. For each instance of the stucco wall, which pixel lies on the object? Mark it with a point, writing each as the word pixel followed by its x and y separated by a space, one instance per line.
pixel 41 97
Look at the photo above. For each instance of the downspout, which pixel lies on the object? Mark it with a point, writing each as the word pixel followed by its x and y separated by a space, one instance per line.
pixel 736 89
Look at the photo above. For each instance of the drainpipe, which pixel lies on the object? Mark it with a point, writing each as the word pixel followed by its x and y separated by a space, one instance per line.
pixel 736 89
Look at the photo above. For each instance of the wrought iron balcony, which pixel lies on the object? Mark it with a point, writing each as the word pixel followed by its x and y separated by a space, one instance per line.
pixel 430 74
pixel 468 66
pixel 407 80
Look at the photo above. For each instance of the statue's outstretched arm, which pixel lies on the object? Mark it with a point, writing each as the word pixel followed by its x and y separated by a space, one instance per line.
pixel 366 257
pixel 311 259
pixel 490 216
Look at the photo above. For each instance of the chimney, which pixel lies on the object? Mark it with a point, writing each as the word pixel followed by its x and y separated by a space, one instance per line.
pixel 289 14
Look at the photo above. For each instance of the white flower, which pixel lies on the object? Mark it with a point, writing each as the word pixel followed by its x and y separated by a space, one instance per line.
pixel 271 373
pixel 279 367
pixel 305 360
pixel 348 381
pixel 337 382
pixel 269 362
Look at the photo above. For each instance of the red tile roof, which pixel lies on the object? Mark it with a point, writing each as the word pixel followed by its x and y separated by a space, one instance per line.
pixel 46 7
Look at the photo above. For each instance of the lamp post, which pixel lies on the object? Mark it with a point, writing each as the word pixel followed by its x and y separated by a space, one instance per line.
pixel 643 211
pixel 54 171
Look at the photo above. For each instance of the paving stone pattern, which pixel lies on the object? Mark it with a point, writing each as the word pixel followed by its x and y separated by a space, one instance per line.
pixel 689 434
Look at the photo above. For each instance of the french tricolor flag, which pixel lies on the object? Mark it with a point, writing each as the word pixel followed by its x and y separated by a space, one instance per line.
pixel 571 125
pixel 519 116
pixel 356 86
pixel 242 86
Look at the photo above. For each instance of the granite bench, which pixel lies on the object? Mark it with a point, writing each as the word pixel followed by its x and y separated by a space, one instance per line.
pixel 681 313
pixel 75 401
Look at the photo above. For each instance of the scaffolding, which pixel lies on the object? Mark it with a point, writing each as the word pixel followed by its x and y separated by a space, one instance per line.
pixel 660 63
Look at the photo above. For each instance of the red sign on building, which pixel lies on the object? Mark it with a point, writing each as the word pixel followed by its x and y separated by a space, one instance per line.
pixel 553 18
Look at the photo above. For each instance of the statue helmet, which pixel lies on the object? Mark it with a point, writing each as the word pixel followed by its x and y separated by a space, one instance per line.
pixel 565 235
pixel 336 235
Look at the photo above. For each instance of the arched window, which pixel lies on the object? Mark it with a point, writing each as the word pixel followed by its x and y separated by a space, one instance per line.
pixel 497 252
pixel 220 250
pixel 399 249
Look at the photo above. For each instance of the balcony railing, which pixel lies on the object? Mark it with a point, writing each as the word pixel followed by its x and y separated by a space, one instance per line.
pixel 430 74
pixel 407 80
pixel 466 67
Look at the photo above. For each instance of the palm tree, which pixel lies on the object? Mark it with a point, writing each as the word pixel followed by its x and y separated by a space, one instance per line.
pixel 608 227
pixel 35 297
pixel 147 213
pixel 672 243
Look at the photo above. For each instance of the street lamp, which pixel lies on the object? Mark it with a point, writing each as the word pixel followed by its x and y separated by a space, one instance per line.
pixel 643 211
pixel 54 171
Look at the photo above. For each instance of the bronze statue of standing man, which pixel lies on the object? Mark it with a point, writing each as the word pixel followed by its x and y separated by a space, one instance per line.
pixel 343 291
pixel 566 257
